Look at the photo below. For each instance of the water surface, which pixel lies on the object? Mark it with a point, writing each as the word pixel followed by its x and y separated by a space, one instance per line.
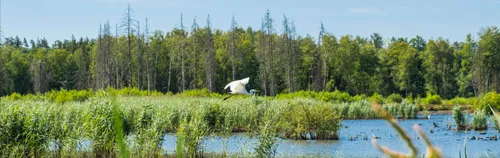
pixel 449 141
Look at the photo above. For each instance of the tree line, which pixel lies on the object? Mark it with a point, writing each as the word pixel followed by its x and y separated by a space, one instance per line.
pixel 278 61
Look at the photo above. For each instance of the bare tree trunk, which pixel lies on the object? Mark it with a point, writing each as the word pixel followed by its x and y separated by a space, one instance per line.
pixel 233 57
pixel 289 71
pixel 263 63
pixel 271 65
pixel 39 75
pixel 487 81
pixel 154 70
pixel 210 57
pixel 128 82
pixel 169 73
pixel 116 60
pixel 183 80
pixel 140 59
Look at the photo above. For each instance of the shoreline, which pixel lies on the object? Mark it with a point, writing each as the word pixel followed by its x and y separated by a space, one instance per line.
pixel 444 112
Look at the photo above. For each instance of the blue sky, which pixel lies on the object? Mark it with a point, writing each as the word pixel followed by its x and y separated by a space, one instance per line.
pixel 59 19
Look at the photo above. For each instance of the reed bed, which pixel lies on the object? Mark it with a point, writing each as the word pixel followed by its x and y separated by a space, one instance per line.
pixel 37 127
pixel 363 110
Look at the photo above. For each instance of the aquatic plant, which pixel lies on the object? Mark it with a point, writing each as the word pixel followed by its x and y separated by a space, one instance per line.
pixel 35 126
pixel 189 136
pixel 267 141
pixel 479 120
pixel 459 118
pixel 306 119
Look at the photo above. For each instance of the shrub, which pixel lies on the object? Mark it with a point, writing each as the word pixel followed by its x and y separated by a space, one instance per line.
pixel 63 95
pixel 395 98
pixel 460 101
pixel 409 99
pixel 359 97
pixel 489 99
pixel 419 100
pixel 169 93
pixel 15 96
pixel 377 98
pixel 335 96
pixel 432 99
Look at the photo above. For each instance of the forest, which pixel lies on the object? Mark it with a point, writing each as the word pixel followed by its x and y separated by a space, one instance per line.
pixel 128 54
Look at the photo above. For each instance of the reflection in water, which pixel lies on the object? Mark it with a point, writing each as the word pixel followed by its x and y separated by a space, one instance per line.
pixel 352 144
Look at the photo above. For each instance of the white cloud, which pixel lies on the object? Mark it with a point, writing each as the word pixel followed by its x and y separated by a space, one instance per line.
pixel 366 10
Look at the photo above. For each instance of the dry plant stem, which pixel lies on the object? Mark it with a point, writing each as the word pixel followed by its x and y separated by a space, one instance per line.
pixel 400 130
pixel 431 151
pixel 496 114
pixel 387 151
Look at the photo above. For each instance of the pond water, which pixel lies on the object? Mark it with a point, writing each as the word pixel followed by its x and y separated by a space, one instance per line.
pixel 449 141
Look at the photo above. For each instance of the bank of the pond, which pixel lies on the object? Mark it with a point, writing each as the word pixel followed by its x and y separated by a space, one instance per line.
pixel 33 127
pixel 28 126
pixel 355 135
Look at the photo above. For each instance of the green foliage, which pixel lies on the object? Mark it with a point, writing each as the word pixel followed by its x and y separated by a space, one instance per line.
pixel 198 93
pixel 439 62
pixel 460 101
pixel 395 98
pixel 334 97
pixel 63 96
pixel 307 119
pixel 479 120
pixel 15 96
pixel 190 133
pixel 403 61
pixel 432 99
pixel 33 124
pixel 362 110
pixel 459 117
pixel 267 144
pixel 377 98
pixel 135 92
pixel 158 61
pixel 485 60
pixel 403 110
pixel 489 99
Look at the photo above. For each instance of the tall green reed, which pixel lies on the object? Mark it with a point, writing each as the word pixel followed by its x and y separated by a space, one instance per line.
pixel 459 117
pixel 479 120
